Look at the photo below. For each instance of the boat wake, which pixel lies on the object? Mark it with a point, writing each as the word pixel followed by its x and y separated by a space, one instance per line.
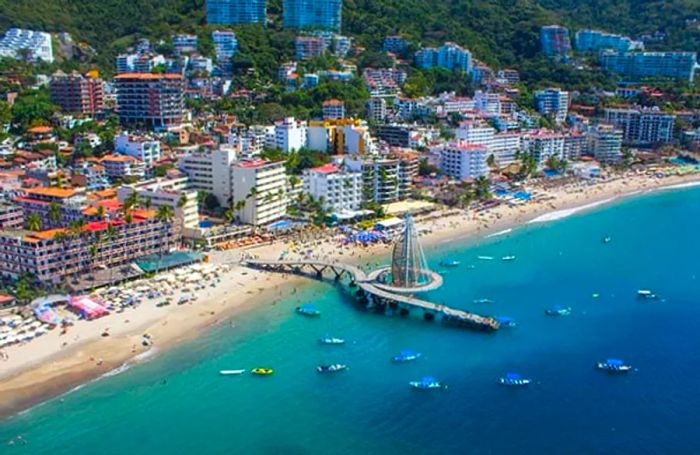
pixel 499 233
pixel 564 213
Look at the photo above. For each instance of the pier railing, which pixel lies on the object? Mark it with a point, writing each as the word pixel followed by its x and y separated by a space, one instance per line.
pixel 374 290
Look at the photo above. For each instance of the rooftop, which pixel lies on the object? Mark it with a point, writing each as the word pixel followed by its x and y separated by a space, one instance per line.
pixel 50 192
pixel 147 76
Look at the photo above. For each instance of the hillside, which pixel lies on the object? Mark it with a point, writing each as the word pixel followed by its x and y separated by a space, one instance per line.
pixel 499 32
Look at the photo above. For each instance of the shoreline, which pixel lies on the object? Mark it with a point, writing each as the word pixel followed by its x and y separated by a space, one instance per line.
pixel 29 383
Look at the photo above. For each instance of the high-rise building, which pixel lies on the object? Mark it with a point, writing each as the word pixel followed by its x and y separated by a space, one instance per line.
pixel 263 186
pixel 339 189
pixel 463 161
pixel 449 55
pixel 606 143
pixel 211 172
pixel 555 40
pixel 152 100
pixel 640 65
pixel 306 47
pixel 185 44
pixel 312 14
pixel 290 134
pixel 394 44
pixel 642 126
pixel 594 41
pixel 553 102
pixel 225 44
pixel 376 109
pixel 76 93
pixel 503 146
pixel 231 12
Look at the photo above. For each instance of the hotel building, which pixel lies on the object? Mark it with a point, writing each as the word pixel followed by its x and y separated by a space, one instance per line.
pixel 154 100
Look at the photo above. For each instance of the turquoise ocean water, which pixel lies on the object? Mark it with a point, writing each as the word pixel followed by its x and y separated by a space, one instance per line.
pixel 178 403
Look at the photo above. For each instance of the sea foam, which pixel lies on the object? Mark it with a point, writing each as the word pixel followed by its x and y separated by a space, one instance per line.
pixel 564 213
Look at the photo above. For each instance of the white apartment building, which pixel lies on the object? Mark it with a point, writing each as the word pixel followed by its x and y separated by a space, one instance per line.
pixel 144 148
pixel 503 146
pixel 380 178
pixel 263 185
pixel 340 189
pixel 169 192
pixel 487 102
pixel 543 144
pixel 463 161
pixel 553 102
pixel 123 166
pixel 290 134
pixel 642 126
pixel 20 43
pixel 211 172
pixel 606 143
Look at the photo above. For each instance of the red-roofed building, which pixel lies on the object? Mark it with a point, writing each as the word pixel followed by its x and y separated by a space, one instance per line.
pixel 333 109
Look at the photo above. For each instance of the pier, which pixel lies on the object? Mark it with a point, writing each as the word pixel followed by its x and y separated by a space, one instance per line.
pixel 393 286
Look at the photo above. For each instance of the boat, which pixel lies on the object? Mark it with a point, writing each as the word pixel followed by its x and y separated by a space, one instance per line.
pixel 506 321
pixel 331 368
pixel 308 310
pixel 558 310
pixel 646 294
pixel 485 258
pixel 514 379
pixel 231 372
pixel 405 356
pixel 449 263
pixel 483 301
pixel 508 258
pixel 331 340
pixel 427 383
pixel 262 371
pixel 613 366
pixel 606 239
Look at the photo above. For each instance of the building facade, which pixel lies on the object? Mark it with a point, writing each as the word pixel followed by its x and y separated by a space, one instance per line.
pixel 555 40
pixel 142 148
pixel 463 161
pixel 606 143
pixel 232 12
pixel 312 14
pixel 76 93
pixel 594 41
pixel 31 45
pixel 211 172
pixel 554 103
pixel 263 186
pixel 643 65
pixel 339 189
pixel 152 100
pixel 642 126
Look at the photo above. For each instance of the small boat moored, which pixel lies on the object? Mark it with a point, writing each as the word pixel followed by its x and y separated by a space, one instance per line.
pixel 308 310
pixel 449 263
pixel 514 379
pixel 262 371
pixel 427 383
pixel 646 294
pixel 406 355
pixel 331 340
pixel 231 372
pixel 607 239
pixel 483 301
pixel 508 258
pixel 485 258
pixel 613 366
pixel 558 310
pixel 331 368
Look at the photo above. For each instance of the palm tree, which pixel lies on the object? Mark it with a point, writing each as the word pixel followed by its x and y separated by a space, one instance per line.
pixel 148 203
pixel 165 215
pixel 294 181
pixel 182 201
pixel 491 161
pixel 100 213
pixel 34 222
pixel 110 236
pixel 54 213
pixel 131 201
pixel 482 185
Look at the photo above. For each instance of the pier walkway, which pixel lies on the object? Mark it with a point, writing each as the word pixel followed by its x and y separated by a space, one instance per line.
pixel 378 291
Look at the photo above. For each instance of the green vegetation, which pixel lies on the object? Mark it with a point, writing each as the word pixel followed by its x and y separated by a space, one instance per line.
pixel 501 33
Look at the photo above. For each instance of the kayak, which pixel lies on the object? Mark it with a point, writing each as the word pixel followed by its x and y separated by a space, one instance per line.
pixel 231 372
pixel 262 371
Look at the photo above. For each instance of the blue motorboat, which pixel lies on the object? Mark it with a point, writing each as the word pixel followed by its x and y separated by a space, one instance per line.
pixel 427 383
pixel 331 340
pixel 506 321
pixel 479 301
pixel 308 310
pixel 331 368
pixel 514 379
pixel 405 356
pixel 449 263
pixel 613 366
pixel 558 310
